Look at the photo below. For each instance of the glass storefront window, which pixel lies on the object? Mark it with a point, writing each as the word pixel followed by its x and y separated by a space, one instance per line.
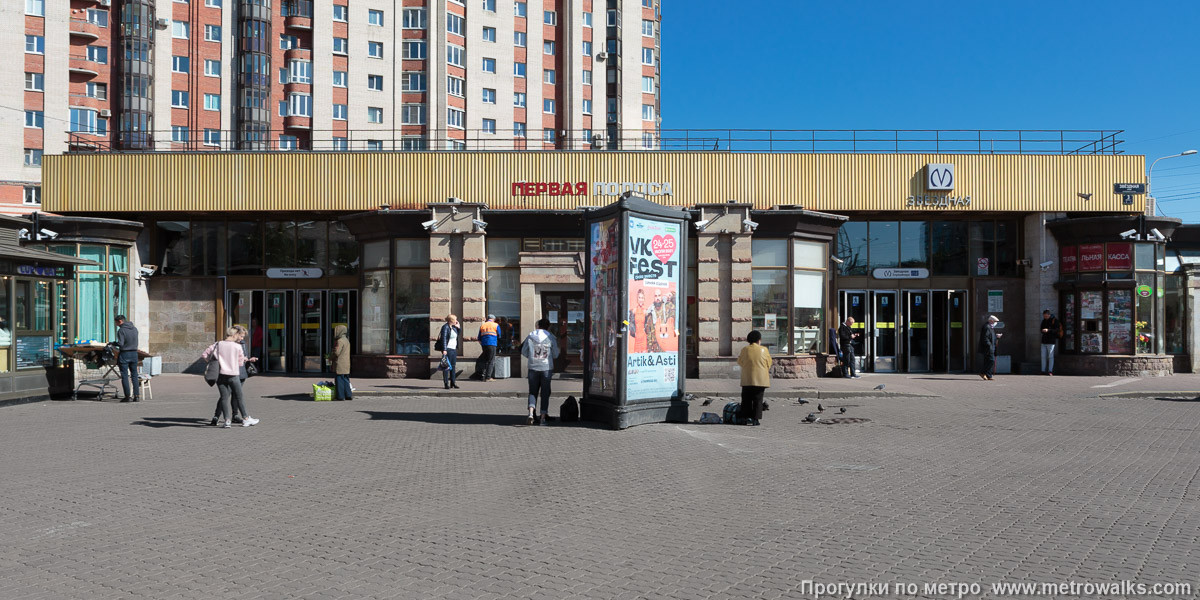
pixel 983 249
pixel 503 252
pixel 279 244
pixel 852 248
pixel 808 306
pixel 949 255
pixel 1175 311
pixel 412 253
pixel 1091 321
pixel 343 250
pixel 808 255
pixel 310 244
pixel 375 255
pixel 1144 327
pixel 914 244
pixel 1143 257
pixel 412 311
pixel 885 244
pixel 245 248
pixel 1068 321
pixel 504 290
pixel 6 336
pixel 769 309
pixel 208 250
pixel 769 253
pixel 172 247
pixel 1007 248
pixel 1120 322
pixel 375 307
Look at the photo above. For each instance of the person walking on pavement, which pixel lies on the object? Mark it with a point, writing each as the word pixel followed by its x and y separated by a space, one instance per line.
pixel 448 342
pixel 755 361
pixel 127 359
pixel 489 335
pixel 1050 329
pixel 230 358
pixel 237 404
pixel 341 364
pixel 846 337
pixel 539 349
pixel 988 338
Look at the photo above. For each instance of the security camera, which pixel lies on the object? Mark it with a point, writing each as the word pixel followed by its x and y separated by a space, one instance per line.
pixel 836 259
pixel 147 270
pixel 46 233
pixel 1046 265
pixel 429 224
pixel 1132 233
pixel 701 224
pixel 1155 232
pixel 453 199
pixel 748 224
pixel 23 233
pixel 478 223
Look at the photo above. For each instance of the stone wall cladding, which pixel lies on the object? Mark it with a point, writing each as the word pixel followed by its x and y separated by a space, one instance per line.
pixel 374 366
pixel 805 366
pixel 1115 366
pixel 183 321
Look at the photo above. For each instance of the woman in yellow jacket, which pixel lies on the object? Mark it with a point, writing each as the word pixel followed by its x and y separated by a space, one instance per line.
pixel 755 361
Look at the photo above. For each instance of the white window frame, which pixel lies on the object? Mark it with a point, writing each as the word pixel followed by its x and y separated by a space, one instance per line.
pixel 647 82
pixel 455 117
pixel 180 98
pixel 549 47
pixel 489 126
pixel 489 5
pixel 550 17
pixel 456 86
pixel 520 99
pixel 410 45
pixel 345 46
pixel 93 87
pixel 549 106
pixel 181 30
pixel 177 60
pixel 180 134
pixel 488 96
pixel 375 50
pixel 489 62
pixel 341 144
pixel 289 142
pixel 98 54
pixel 456 55
pixel 408 77
pixel 98 18
pixel 587 48
pixel 212 3
pixel 492 31
pixel 344 13
pixel 374 145
pixel 587 77
pixel 33 157
pixel 587 19
pixel 300 71
pixel 520 39
pixel 375 83
pixel 341 112
pixel 520 9
pixel 548 136
pixel 413 114
pixel 212 33
pixel 340 78
pixel 37 117
pixel 415 18
pixel 32 196
pixel 299 105
pixel 647 112
pixel 520 130
pixel 209 70
pixel 39 44
pixel 587 106
pixel 456 24
pixel 35 8
pixel 375 115
pixel 648 56
pixel 212 137
pixel 35 82
pixel 647 24
pixel 375 17
pixel 549 76
pixel 212 102
pixel 519 70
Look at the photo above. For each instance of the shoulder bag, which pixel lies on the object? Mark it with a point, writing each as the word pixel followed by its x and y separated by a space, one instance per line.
pixel 212 370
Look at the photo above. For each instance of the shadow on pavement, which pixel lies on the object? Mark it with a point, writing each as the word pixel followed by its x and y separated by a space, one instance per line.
pixel 160 422
pixel 295 397
pixel 1166 399
pixel 447 418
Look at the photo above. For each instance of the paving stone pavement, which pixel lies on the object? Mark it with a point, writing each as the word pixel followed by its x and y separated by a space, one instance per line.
pixel 455 498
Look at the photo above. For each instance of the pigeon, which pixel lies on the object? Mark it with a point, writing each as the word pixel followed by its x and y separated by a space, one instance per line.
pixel 706 402
pixel 689 397
pixel 820 408
pixel 801 401
pixel 880 387
pixel 811 418
pixel 766 406
pixel 842 410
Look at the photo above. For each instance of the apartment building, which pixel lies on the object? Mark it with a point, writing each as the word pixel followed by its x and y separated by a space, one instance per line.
pixel 337 75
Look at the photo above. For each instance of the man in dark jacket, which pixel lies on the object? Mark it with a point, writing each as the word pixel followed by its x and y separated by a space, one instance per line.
pixel 1049 341
pixel 127 359
pixel 988 338
pixel 846 337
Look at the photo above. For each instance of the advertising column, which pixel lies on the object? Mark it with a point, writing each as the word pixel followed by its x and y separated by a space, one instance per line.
pixel 652 364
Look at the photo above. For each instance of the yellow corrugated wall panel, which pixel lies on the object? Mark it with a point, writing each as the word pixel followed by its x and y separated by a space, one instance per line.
pixel 362 181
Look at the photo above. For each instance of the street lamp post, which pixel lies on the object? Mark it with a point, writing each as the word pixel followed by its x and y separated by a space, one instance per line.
pixel 1151 172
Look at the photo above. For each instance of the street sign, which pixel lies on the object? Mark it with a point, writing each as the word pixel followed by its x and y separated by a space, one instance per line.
pixel 1129 188
pixel 898 274
pixel 1127 198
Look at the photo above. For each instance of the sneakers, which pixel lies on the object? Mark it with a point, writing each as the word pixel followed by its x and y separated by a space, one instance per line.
pixel 213 422
pixel 543 421
pixel 248 421
pixel 226 425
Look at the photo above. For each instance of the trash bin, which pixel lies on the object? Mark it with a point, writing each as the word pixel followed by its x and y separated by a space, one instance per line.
pixel 501 367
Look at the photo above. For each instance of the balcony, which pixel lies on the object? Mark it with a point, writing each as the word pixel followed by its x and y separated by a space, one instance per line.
pixel 82 28
pixel 297 14
pixel 297 122
pixel 80 65
pixel 297 54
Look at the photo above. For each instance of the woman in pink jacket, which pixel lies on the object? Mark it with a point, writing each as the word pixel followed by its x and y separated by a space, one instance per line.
pixel 229 355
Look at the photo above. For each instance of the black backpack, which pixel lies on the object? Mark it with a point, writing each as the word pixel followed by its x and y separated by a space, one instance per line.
pixel 569 411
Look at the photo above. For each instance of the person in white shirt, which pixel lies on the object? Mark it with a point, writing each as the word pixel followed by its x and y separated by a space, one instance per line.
pixel 539 350
pixel 449 341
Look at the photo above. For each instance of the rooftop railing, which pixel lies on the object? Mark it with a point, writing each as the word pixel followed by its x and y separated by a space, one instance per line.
pixel 810 141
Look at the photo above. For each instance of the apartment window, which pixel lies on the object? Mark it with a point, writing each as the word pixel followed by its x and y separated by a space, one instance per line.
pixel 212 68
pixel 548 106
pixel 456 55
pixel 339 13
pixel 179 99
pixel 33 195
pixel 454 24
pixel 413 81
pixel 181 64
pixel 179 134
pixel 340 112
pixel 35 82
pixel 36 8
pixel 489 65
pixel 283 75
pixel 548 48
pixel 647 28
pixel 212 3
pixel 212 33
pixel 489 126
pixel 519 130
pixel 648 85
pixel 519 69
pixel 647 112
pixel 550 17
pixel 375 17
pixel 98 91
pixel 489 34
pixel 212 137
pixel 97 17
pixel 548 76
pixel 489 96
pixel 33 157
pixel 587 77
pixel 455 86
pixel 375 82
pixel 339 79
pixel 519 99
pixel 412 114
pixel 520 39
pixel 341 45
pixel 519 9
pixel 374 114
pixel 587 48
pixel 647 3
pixel 612 18
pixel 587 107
pixel 300 71
pixel 587 135
pixel 548 136
pixel 375 49
pixel 489 5
pixel 288 142
pixel 587 19
pixel 283 108
pixel 287 42
pixel 414 49
pixel 341 144
pixel 647 56
pixel 35 44
pixel 97 54
pixel 33 119
pixel 454 118
pixel 212 102
pixel 181 29
pixel 414 18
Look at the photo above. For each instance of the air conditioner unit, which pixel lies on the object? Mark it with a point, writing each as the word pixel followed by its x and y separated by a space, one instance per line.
pixel 163 23
pixel 105 2
pixel 602 56
pixel 104 112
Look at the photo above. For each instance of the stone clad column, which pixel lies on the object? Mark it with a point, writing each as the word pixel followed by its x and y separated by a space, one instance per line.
pixel 724 282
pixel 1192 306
pixel 457 272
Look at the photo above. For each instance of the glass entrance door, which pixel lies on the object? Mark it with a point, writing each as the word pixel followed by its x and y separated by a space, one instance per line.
pixel 343 305
pixel 854 304
pixel 564 310
pixel 279 307
pixel 916 324
pixel 959 334
pixel 883 322
pixel 311 343
pixel 245 308
pixel 939 331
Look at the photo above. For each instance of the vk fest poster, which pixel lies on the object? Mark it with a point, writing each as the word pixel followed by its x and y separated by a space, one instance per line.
pixel 652 329
pixel 605 255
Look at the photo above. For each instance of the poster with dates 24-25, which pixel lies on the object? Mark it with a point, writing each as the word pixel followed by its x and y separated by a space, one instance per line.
pixel 652 329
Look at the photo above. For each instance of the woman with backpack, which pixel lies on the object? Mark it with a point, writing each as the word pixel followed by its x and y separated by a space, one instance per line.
pixel 755 361
pixel 448 342
pixel 539 349
pixel 230 358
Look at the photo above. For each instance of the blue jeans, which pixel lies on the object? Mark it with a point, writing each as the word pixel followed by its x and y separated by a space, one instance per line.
pixel 539 382
pixel 127 361
pixel 342 387
pixel 448 374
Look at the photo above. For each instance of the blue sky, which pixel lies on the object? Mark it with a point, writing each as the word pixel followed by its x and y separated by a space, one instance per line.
pixel 789 64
